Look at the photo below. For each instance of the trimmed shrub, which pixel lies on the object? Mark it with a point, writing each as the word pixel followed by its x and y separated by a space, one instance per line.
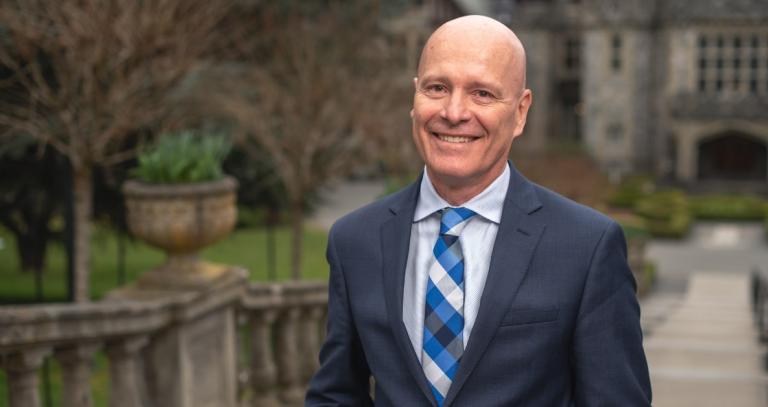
pixel 728 207
pixel 667 213
pixel 631 190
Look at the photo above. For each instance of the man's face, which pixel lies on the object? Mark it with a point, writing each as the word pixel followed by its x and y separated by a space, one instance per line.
pixel 467 109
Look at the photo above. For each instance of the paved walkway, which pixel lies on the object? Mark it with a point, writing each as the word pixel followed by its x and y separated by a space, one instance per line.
pixel 733 247
pixel 702 349
pixel 343 198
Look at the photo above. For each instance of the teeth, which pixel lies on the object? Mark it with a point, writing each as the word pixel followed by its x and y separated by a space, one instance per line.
pixel 454 139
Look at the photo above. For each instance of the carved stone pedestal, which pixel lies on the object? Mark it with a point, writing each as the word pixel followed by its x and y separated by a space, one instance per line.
pixel 192 362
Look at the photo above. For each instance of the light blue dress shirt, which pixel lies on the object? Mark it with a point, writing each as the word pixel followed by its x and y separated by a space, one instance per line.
pixel 477 240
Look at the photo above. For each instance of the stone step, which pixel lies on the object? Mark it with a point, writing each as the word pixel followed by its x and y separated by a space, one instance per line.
pixel 703 343
pixel 704 351
pixel 747 362
pixel 753 346
pixel 673 388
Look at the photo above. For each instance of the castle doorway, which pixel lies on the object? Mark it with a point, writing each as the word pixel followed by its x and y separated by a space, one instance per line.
pixel 733 156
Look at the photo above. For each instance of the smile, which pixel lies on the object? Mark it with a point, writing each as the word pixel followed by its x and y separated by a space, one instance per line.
pixel 453 139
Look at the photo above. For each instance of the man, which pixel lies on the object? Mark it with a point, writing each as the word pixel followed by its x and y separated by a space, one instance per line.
pixel 474 286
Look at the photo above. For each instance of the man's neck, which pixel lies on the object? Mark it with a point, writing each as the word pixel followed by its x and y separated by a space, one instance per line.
pixel 459 191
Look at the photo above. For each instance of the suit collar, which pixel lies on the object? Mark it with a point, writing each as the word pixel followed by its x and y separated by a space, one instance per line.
pixel 521 193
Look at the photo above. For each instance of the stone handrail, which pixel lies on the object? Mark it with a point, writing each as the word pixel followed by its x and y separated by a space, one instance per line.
pixel 293 314
pixel 282 324
pixel 759 287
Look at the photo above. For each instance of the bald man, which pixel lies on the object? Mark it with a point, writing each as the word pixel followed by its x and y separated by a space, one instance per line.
pixel 474 286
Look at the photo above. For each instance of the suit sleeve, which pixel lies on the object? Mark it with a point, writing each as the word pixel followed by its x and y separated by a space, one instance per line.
pixel 610 368
pixel 343 376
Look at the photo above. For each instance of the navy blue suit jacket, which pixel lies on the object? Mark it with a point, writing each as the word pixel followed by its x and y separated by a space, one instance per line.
pixel 558 323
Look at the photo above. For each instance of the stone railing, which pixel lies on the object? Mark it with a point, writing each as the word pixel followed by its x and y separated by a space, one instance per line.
pixel 172 348
pixel 285 329
pixel 759 287
pixel 719 106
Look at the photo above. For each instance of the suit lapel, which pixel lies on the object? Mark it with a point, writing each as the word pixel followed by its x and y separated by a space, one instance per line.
pixel 395 241
pixel 515 243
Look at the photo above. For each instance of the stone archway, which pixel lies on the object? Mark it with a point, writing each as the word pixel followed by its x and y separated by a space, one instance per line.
pixel 732 156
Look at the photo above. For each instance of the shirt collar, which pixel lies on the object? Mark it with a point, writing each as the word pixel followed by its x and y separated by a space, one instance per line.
pixel 487 204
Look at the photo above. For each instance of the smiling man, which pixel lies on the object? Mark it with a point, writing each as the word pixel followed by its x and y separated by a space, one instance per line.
pixel 474 286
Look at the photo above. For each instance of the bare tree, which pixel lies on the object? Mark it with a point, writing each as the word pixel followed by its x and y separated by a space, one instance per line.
pixel 320 90
pixel 89 73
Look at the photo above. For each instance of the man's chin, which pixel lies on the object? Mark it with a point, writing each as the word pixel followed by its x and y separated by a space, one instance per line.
pixel 452 174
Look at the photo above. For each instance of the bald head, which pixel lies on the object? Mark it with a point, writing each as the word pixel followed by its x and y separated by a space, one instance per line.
pixel 469 104
pixel 488 37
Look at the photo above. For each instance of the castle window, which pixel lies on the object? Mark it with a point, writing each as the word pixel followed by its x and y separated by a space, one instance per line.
pixel 732 62
pixel 616 53
pixel 615 133
pixel 572 54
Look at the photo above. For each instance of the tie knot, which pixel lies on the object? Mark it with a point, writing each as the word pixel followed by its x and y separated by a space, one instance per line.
pixel 453 220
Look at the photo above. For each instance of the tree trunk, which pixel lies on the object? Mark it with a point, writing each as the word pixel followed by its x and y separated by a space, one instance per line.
pixel 31 249
pixel 83 191
pixel 272 220
pixel 297 236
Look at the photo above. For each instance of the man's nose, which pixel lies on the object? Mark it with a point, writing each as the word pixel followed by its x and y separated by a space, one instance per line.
pixel 455 109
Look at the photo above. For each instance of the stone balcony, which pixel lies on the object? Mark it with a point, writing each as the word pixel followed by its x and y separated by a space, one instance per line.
pixel 231 343
pixel 718 106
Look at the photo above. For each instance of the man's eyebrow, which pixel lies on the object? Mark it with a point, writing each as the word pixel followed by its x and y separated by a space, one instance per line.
pixel 430 78
pixel 472 84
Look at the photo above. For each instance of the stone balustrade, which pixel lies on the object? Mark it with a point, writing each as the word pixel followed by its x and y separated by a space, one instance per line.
pixel 172 348
pixel 285 324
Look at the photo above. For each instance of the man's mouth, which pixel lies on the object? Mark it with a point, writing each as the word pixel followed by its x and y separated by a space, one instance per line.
pixel 453 139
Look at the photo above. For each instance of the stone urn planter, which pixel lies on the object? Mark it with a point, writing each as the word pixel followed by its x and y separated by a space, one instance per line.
pixel 181 219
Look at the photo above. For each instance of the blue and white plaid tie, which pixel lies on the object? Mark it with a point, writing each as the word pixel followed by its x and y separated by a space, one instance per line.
pixel 444 310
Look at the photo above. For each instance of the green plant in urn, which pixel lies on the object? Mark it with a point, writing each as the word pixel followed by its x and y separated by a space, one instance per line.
pixel 181 201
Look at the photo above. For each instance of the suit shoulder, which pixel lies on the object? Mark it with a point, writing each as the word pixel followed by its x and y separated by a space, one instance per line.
pixel 559 208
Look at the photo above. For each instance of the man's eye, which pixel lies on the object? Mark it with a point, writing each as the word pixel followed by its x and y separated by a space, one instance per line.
pixel 435 89
pixel 484 94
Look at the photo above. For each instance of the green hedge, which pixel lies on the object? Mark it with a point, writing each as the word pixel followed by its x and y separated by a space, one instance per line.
pixel 728 207
pixel 667 213
pixel 631 190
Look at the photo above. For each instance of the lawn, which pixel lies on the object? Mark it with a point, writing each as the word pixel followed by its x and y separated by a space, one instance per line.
pixel 245 247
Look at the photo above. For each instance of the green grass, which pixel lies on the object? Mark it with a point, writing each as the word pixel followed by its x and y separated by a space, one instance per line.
pixel 245 247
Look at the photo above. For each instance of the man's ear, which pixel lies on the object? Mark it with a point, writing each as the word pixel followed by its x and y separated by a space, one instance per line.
pixel 522 111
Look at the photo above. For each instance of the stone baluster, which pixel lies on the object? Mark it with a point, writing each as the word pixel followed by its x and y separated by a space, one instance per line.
pixel 287 355
pixel 126 389
pixel 309 341
pixel 263 371
pixel 22 371
pixel 76 362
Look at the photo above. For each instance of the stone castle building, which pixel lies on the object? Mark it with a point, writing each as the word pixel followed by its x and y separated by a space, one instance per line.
pixel 677 88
